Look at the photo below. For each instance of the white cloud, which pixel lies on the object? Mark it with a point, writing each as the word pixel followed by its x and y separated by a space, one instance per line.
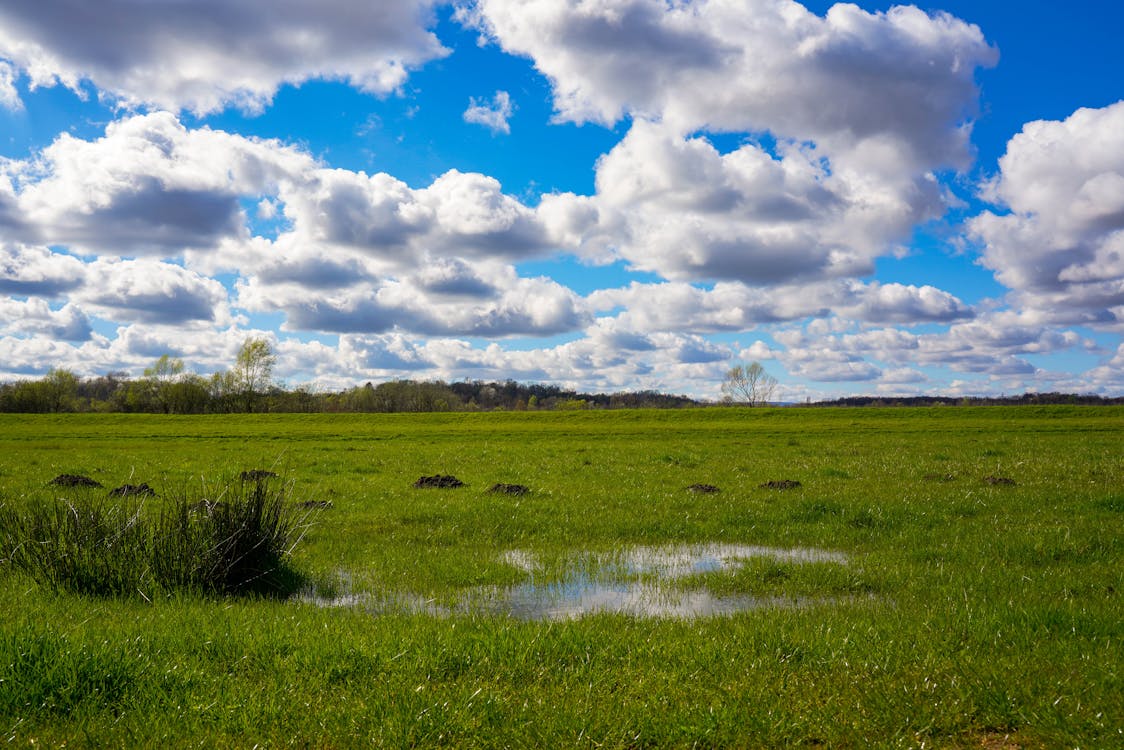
pixel 148 291
pixel 679 208
pixel 492 115
pixel 904 304
pixel 1061 249
pixel 149 186
pixel 994 344
pixel 203 56
pixel 35 270
pixel 34 316
pixel 891 88
pixel 9 97
pixel 858 108
pixel 487 300
pixel 394 229
pixel 731 306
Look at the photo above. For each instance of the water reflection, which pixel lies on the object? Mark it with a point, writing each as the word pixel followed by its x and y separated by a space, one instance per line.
pixel 636 581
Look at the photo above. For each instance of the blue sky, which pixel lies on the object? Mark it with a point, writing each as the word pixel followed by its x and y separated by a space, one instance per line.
pixel 605 194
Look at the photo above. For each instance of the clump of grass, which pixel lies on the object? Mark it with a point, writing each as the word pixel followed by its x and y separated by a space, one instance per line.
pixel 765 577
pixel 238 543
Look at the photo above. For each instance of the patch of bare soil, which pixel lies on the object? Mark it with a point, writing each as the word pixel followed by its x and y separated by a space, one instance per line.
pixel 73 480
pixel 256 475
pixel 996 741
pixel 1001 481
pixel 780 484
pixel 316 504
pixel 133 490
pixel 438 482
pixel 703 489
pixel 501 488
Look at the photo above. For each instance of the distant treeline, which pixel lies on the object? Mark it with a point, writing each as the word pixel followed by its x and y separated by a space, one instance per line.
pixel 62 391
pixel 166 389
pixel 1026 399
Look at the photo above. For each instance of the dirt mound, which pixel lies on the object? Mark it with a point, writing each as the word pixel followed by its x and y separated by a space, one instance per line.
pixel 500 488
pixel 133 490
pixel 438 482
pixel 939 477
pixel 1001 481
pixel 316 504
pixel 780 484
pixel 703 489
pixel 256 475
pixel 73 480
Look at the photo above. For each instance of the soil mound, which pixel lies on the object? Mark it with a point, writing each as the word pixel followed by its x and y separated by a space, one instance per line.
pixel 133 490
pixel 438 482
pixel 73 480
pixel 500 488
pixel 780 484
pixel 703 489
pixel 256 475
pixel 1001 481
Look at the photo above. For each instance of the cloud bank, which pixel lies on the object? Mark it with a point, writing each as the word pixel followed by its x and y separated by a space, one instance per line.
pixel 769 159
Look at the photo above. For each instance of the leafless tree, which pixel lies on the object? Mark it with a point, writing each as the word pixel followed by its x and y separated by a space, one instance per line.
pixel 748 384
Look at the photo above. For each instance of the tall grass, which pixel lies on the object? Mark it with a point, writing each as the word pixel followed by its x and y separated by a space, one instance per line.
pixel 86 543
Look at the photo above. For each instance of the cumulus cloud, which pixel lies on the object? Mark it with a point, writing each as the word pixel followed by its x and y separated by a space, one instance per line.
pixel 1061 247
pixel 995 344
pixel 846 116
pixel 36 270
pixel 904 304
pixel 688 211
pixel 148 291
pixel 732 306
pixel 9 97
pixel 35 316
pixel 677 207
pixel 391 228
pixel 491 114
pixel 149 186
pixel 203 56
pixel 448 300
pixel 893 87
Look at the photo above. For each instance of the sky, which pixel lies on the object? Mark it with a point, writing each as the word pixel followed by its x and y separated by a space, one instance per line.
pixel 607 195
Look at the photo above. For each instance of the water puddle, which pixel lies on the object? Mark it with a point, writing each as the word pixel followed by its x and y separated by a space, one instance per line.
pixel 637 581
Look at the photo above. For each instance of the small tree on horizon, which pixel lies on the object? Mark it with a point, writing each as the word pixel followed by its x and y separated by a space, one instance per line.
pixel 160 378
pixel 748 384
pixel 253 371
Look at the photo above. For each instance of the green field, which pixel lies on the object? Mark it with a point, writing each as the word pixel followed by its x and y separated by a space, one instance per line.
pixel 946 609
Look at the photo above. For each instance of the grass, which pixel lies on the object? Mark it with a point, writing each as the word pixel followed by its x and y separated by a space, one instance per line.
pixel 87 543
pixel 966 613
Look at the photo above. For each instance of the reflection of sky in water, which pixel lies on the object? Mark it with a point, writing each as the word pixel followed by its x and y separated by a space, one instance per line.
pixel 678 561
pixel 599 583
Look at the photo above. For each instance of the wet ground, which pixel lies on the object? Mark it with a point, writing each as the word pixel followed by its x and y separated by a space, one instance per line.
pixel 638 581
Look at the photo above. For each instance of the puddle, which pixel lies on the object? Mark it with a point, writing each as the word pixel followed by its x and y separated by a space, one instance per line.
pixel 678 561
pixel 630 582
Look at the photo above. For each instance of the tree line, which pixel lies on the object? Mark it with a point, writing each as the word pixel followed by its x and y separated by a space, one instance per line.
pixel 167 387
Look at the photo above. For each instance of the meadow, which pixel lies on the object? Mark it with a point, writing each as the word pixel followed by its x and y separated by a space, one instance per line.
pixel 941 577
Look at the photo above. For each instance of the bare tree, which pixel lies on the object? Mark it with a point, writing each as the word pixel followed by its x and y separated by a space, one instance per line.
pixel 748 384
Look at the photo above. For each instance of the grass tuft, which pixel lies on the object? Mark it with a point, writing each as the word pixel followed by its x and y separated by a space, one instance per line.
pixel 119 546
